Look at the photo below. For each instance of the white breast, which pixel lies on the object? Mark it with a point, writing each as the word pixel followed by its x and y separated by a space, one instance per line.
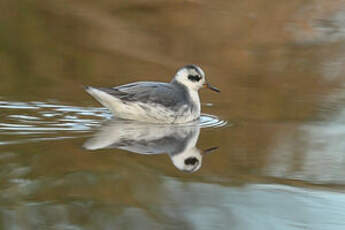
pixel 187 115
pixel 196 100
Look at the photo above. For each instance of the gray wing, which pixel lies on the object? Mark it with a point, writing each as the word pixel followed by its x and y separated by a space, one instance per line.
pixel 149 92
pixel 170 144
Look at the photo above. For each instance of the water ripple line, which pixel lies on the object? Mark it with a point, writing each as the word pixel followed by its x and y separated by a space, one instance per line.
pixel 23 122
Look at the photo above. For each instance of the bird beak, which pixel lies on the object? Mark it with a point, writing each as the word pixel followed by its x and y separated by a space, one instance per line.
pixel 211 87
pixel 209 150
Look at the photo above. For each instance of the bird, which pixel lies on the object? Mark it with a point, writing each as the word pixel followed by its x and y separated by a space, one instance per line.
pixel 171 102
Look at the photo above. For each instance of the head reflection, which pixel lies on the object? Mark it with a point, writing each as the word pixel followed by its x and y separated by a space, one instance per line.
pixel 178 141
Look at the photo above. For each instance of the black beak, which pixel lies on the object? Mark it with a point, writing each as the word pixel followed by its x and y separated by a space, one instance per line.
pixel 209 150
pixel 211 87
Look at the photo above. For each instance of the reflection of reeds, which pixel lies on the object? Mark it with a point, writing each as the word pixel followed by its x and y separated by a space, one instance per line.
pixel 51 48
pixel 266 58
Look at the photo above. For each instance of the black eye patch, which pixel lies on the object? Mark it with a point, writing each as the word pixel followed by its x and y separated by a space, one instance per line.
pixel 194 77
pixel 191 161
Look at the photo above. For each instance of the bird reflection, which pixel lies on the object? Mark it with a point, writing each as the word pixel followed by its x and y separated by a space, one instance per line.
pixel 178 141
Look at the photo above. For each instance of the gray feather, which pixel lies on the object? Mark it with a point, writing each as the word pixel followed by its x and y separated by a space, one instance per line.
pixel 166 94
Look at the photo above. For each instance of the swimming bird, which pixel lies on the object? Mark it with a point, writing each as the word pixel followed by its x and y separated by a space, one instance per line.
pixel 157 102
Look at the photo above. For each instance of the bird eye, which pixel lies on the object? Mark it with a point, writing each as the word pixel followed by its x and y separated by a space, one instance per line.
pixel 191 161
pixel 194 77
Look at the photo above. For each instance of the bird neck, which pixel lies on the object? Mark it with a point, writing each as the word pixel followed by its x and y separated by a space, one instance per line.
pixel 194 95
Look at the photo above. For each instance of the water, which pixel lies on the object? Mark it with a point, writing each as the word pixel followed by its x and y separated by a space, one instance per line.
pixel 268 152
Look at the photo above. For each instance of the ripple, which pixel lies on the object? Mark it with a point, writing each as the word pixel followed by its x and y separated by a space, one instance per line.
pixel 23 117
pixel 42 121
pixel 211 121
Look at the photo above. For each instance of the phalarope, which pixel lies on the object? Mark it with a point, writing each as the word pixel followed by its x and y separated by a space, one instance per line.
pixel 157 102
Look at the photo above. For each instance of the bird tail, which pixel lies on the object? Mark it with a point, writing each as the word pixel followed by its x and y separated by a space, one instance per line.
pixel 104 98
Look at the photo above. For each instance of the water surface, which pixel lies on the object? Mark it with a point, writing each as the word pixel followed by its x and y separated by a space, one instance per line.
pixel 268 152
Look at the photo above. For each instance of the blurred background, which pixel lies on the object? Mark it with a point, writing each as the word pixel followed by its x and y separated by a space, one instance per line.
pixel 281 157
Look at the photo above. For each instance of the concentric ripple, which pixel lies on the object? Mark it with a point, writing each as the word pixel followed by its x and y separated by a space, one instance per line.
pixel 23 122
pixel 211 121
